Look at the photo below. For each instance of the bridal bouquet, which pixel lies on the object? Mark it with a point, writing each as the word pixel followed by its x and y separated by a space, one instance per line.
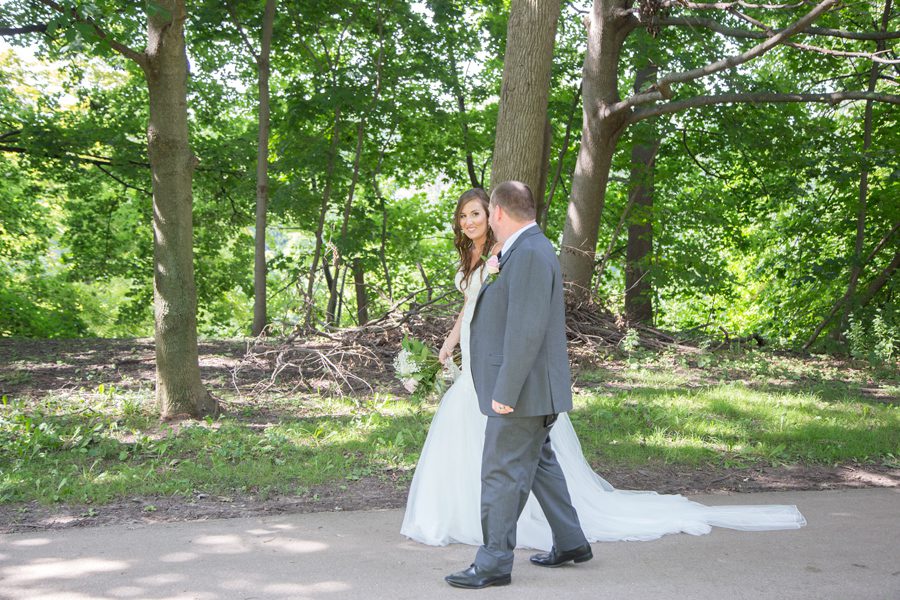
pixel 418 368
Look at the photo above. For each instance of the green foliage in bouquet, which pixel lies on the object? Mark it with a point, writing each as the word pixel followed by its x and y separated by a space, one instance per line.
pixel 417 366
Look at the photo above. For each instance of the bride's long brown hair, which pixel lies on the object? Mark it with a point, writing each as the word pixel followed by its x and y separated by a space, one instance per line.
pixel 463 244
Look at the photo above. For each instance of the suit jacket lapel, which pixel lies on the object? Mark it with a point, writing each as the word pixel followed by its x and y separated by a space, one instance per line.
pixel 505 255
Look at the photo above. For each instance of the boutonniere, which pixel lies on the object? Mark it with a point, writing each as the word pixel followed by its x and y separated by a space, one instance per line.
pixel 492 266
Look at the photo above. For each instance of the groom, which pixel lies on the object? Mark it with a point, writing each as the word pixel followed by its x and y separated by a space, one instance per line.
pixel 521 372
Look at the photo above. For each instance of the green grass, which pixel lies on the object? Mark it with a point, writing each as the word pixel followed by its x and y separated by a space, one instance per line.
pixel 104 444
pixel 735 425
pixel 111 451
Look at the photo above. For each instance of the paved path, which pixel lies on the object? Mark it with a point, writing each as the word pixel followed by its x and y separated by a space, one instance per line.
pixel 850 549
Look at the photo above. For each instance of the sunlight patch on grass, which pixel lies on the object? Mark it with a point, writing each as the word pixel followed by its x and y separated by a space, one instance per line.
pixel 724 423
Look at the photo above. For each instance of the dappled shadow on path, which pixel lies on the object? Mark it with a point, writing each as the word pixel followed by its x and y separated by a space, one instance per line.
pixel 199 562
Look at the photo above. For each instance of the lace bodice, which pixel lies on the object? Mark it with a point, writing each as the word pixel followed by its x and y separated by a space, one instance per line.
pixel 476 280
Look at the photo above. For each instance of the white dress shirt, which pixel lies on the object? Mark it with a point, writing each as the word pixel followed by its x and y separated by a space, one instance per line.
pixel 512 239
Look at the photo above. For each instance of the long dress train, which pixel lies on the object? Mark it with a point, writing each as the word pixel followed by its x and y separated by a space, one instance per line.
pixel 444 504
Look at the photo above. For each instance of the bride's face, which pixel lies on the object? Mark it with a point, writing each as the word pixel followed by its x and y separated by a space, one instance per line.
pixel 473 221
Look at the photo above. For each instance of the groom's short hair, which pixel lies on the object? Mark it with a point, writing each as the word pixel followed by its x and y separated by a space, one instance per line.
pixel 516 199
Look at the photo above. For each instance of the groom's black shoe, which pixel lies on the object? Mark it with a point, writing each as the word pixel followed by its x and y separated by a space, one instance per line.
pixel 475 579
pixel 556 558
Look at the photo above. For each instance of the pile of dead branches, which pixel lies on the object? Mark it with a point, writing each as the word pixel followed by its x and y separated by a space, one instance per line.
pixel 339 361
pixel 590 326
pixel 358 360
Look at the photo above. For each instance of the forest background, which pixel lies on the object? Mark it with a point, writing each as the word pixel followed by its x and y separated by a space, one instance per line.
pixel 387 111
pixel 725 173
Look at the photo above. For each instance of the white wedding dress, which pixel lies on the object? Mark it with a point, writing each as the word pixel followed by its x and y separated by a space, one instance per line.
pixel 444 504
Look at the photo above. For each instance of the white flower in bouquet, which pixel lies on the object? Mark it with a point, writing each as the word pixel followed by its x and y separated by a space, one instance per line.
pixel 418 368
pixel 405 364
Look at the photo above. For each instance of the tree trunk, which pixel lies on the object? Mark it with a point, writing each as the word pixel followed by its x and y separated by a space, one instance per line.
pixel 331 317
pixel 262 172
pixel 539 199
pixel 463 119
pixel 382 247
pixel 880 280
pixel 862 205
pixel 470 160
pixel 362 297
pixel 607 28
pixel 179 390
pixel 333 291
pixel 638 286
pixel 330 314
pixel 542 216
pixel 521 121
pixel 323 211
pixel 340 297
pixel 845 304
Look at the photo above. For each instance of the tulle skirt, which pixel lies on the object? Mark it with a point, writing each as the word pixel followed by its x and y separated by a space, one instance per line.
pixel 444 504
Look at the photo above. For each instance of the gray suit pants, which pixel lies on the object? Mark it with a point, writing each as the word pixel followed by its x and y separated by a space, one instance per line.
pixel 518 459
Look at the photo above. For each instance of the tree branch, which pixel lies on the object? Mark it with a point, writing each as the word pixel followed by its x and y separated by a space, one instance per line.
pixel 124 183
pixel 662 88
pixel 139 57
pixel 714 25
pixel 873 56
pixel 10 134
pixel 102 161
pixel 11 31
pixel 729 5
pixel 243 34
pixel 882 243
pixel 878 282
pixel 873 288
pixel 854 35
pixel 684 142
pixel 760 98
pixel 710 24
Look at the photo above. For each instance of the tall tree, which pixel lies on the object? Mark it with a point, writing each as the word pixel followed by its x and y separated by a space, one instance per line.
pixel 521 144
pixel 845 304
pixel 607 115
pixel 638 282
pixel 263 69
pixel 179 390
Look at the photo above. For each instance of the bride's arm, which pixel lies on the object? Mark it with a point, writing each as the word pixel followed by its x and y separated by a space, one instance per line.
pixel 452 339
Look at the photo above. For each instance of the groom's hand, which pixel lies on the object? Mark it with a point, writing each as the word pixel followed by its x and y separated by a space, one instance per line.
pixel 500 409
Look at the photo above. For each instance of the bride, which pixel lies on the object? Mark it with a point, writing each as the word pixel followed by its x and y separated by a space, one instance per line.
pixel 444 504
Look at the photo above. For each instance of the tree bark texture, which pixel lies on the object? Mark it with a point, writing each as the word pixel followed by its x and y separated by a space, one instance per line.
pixel 179 390
pixel 607 28
pixel 638 284
pixel 262 171
pixel 362 296
pixel 521 121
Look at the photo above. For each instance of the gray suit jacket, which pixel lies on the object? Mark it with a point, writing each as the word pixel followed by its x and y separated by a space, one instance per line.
pixel 518 333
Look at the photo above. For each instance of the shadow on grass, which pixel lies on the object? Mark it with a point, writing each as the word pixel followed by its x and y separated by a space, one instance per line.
pixel 77 458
